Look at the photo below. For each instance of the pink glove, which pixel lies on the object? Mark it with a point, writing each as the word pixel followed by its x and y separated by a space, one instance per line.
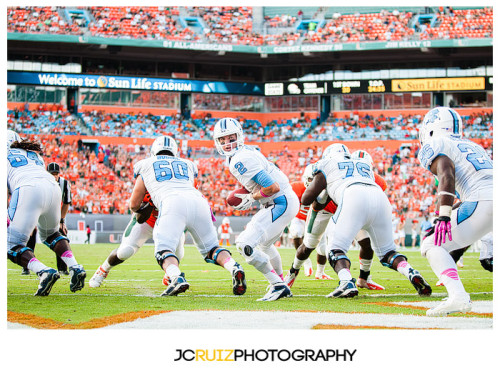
pixel 213 216
pixel 442 227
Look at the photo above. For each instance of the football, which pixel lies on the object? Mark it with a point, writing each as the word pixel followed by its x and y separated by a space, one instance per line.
pixel 232 200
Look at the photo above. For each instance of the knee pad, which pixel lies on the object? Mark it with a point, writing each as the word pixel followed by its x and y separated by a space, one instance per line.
pixel 15 253
pixel 125 252
pixel 164 254
pixel 388 259
pixel 253 257
pixel 52 240
pixel 245 250
pixel 336 255
pixel 211 257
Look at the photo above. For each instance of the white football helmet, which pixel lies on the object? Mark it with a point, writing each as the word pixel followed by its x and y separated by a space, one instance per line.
pixel 164 143
pixel 440 121
pixel 333 149
pixel 225 220
pixel 307 176
pixel 225 127
pixel 12 137
pixel 362 155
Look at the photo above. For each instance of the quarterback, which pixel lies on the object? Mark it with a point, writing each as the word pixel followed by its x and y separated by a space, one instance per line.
pixel 270 187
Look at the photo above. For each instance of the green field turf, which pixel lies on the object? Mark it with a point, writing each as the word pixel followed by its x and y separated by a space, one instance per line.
pixel 136 286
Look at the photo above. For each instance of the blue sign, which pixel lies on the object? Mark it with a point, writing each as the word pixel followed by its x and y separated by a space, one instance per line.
pixel 136 83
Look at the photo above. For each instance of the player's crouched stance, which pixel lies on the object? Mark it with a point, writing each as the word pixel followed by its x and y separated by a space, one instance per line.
pixel 36 201
pixel 270 187
pixel 169 180
pixel 362 204
pixel 462 168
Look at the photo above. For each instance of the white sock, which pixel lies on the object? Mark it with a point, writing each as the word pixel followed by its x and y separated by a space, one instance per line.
pixel 36 266
pixel 274 258
pixel 173 271
pixel 68 258
pixel 404 268
pixel 345 275
pixel 445 269
pixel 297 263
pixel 273 278
pixel 229 264
pixel 365 264
pixel 320 269
pixel 106 266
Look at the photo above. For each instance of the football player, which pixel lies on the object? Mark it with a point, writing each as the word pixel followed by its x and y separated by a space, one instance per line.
pixel 297 226
pixel 316 224
pixel 138 231
pixel 36 201
pixel 350 184
pixel 465 170
pixel 270 187
pixel 170 182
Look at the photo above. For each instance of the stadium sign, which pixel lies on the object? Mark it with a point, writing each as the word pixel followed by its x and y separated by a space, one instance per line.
pixel 438 84
pixel 263 49
pixel 135 83
pixel 377 86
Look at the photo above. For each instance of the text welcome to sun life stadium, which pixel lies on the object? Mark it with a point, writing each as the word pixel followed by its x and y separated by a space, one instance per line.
pixel 263 355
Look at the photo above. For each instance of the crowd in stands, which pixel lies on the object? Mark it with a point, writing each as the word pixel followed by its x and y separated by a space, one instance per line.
pixel 46 119
pixel 52 119
pixel 234 25
pixel 139 125
pixel 102 180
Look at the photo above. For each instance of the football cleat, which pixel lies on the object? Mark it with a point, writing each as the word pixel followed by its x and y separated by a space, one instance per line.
pixel 416 279
pixel 275 292
pixel 239 283
pixel 63 272
pixel 176 287
pixel 459 303
pixel 98 277
pixel 77 278
pixel 308 267
pixel 25 271
pixel 322 276
pixel 47 279
pixel 346 289
pixel 290 276
pixel 165 280
pixel 369 284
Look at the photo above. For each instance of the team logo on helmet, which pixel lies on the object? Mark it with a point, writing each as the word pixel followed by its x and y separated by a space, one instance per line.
pixel 440 121
pixel 225 127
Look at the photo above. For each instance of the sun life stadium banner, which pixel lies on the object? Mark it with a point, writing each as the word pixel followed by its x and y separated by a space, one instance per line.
pixel 139 83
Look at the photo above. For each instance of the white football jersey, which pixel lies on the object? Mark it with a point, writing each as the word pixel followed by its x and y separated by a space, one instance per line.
pixel 25 167
pixel 340 172
pixel 251 169
pixel 166 175
pixel 473 166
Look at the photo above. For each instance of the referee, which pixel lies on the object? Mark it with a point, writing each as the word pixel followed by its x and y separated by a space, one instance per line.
pixel 54 169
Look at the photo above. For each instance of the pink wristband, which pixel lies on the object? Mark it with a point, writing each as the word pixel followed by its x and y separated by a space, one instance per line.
pixel 263 195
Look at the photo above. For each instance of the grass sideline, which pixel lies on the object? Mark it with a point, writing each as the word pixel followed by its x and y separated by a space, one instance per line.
pixel 136 286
